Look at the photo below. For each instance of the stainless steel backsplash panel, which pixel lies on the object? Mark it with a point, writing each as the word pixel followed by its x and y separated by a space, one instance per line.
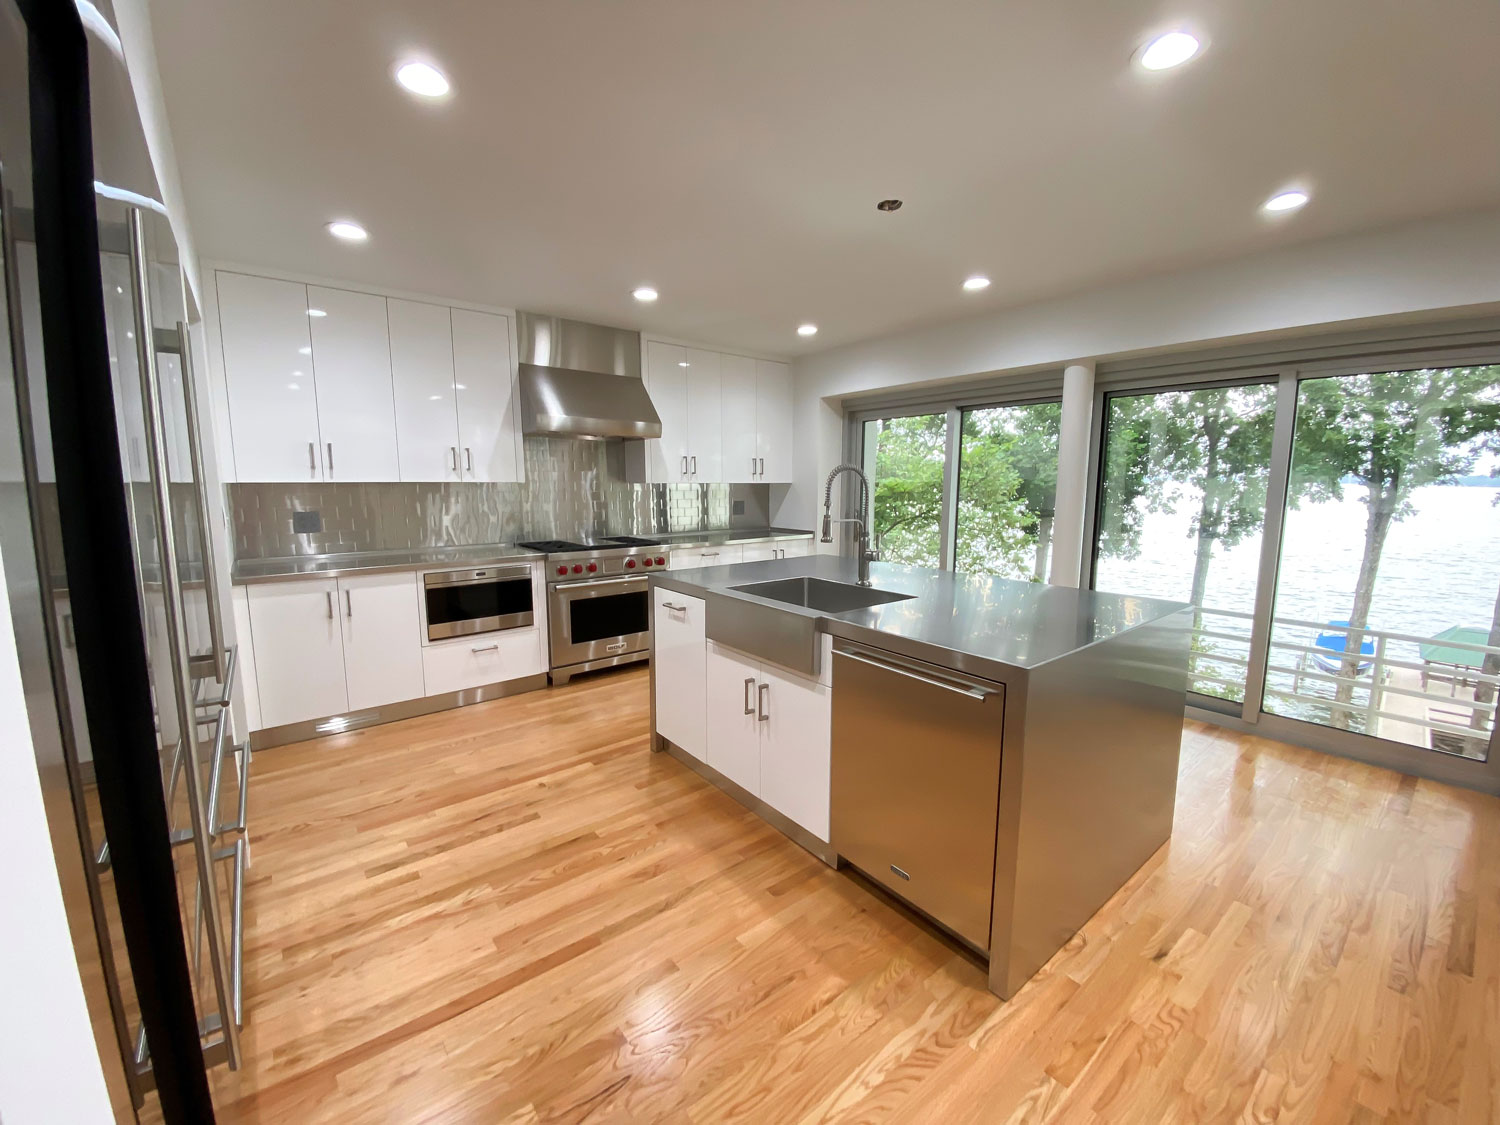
pixel 572 488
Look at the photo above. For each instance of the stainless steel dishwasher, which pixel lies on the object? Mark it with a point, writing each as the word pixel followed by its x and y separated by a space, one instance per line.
pixel 916 782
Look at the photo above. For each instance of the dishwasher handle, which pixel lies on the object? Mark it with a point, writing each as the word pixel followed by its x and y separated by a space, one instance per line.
pixel 959 687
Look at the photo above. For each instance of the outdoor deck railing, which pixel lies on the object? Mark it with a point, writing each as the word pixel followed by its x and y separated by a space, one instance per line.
pixel 1292 677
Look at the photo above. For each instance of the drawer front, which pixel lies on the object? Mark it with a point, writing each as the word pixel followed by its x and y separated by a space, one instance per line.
pixel 475 661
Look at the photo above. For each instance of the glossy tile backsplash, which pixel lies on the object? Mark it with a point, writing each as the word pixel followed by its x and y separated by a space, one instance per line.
pixel 572 488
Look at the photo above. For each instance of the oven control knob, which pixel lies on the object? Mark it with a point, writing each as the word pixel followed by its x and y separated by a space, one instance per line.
pixel 629 564
pixel 660 561
pixel 647 562
pixel 562 570
pixel 577 568
pixel 593 567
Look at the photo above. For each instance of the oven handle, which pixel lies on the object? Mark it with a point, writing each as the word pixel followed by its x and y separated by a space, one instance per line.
pixel 641 578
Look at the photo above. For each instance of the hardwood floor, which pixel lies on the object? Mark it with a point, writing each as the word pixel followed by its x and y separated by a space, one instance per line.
pixel 515 912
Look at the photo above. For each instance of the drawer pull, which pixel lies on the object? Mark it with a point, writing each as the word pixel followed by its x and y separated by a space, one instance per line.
pixel 901 873
pixel 674 607
pixel 486 648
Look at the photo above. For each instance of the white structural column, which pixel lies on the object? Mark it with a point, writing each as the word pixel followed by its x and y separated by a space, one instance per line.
pixel 1072 473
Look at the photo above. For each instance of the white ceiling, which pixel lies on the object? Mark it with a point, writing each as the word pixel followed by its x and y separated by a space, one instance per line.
pixel 731 152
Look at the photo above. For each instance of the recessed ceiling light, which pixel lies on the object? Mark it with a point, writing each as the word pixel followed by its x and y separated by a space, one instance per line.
pixel 683 363
pixel 347 230
pixel 434 398
pixel 1285 201
pixel 1169 50
pixel 304 350
pixel 422 79
pixel 645 293
pixel 316 312
pixel 807 330
pixel 978 281
pixel 293 387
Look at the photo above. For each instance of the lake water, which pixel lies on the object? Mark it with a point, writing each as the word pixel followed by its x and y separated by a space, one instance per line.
pixel 1440 567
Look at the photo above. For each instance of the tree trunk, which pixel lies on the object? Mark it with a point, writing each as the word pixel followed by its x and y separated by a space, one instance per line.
pixel 1377 527
pixel 1044 548
pixel 1485 693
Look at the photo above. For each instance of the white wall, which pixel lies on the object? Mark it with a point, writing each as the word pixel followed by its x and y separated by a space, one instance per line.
pixel 1429 267
pixel 49 1063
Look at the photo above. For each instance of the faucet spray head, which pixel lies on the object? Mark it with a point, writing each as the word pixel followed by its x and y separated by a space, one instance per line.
pixel 827 528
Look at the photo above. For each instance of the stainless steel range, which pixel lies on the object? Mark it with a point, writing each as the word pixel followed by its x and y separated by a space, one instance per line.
pixel 598 607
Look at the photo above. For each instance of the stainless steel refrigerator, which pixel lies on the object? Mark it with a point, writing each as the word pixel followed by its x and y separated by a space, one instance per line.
pixel 108 509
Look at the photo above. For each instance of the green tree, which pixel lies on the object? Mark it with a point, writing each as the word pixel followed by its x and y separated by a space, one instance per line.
pixel 1007 489
pixel 1388 434
pixel 908 483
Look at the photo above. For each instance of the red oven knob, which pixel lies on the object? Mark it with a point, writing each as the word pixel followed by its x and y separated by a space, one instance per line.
pixel 660 561
pixel 646 561
pixel 577 568
pixel 593 567
pixel 629 564
pixel 562 570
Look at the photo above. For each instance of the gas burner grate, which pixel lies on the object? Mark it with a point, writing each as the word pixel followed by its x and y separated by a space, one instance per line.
pixel 553 546
pixel 631 541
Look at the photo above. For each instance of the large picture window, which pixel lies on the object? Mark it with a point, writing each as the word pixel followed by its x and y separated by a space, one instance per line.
pixel 1007 490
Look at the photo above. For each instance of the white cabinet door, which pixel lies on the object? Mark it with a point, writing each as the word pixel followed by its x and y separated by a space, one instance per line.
pixel 489 658
pixel 795 548
pixel 773 421
pixel 737 396
pixel 705 421
pixel 678 662
pixel 382 638
pixel 666 382
pixel 299 650
pixel 733 735
pixel 795 742
pixel 489 406
pixel 758 552
pixel 422 376
pixel 352 363
pixel 268 367
pixel 249 679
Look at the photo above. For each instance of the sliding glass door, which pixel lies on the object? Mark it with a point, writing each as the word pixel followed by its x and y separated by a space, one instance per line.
pixel 1182 505
pixel 1007 490
pixel 1387 618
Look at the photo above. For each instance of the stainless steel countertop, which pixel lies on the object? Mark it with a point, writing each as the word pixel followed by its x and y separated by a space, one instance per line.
pixel 367 562
pixel 973 623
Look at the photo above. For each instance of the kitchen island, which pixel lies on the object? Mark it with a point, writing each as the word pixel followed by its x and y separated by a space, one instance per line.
pixel 1001 755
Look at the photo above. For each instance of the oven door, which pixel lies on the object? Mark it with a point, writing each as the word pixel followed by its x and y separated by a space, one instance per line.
pixel 460 603
pixel 594 620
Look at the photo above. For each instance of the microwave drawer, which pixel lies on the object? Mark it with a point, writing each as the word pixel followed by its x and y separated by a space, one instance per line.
pixel 475 661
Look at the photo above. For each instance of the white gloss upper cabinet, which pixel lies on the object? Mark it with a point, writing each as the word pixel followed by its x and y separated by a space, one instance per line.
pixel 426 408
pixel 489 406
pixel 705 422
pixel 773 421
pixel 666 382
pixel 737 397
pixel 352 369
pixel 268 368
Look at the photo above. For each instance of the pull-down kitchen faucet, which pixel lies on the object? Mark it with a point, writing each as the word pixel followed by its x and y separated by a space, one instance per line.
pixel 866 556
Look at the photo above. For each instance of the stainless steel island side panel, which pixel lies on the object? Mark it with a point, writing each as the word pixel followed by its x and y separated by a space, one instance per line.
pixel 1087 789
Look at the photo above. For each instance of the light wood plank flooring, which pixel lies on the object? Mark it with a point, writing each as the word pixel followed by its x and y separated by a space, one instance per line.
pixel 515 912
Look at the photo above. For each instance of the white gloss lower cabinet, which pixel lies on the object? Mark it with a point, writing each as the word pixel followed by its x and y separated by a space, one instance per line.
pixel 470 662
pixel 689 558
pixel 678 655
pixel 382 638
pixel 795 747
pixel 299 650
pixel 733 742
pixel 769 731
pixel 787 549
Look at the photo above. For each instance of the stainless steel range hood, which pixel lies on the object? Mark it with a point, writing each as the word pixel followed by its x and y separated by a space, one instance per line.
pixel 582 380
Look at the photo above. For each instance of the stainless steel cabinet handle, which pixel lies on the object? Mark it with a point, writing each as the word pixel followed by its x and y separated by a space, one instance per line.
pixel 469 458
pixel 312 459
pixel 486 648
pixel 684 464
pixel 749 682
pixel 453 452
pixel 762 466
pixel 709 555
pixel 973 691
pixel 752 466
pixel 676 608
pixel 330 458
pixel 328 594
pixel 763 703
pixel 694 460
pixel 348 604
